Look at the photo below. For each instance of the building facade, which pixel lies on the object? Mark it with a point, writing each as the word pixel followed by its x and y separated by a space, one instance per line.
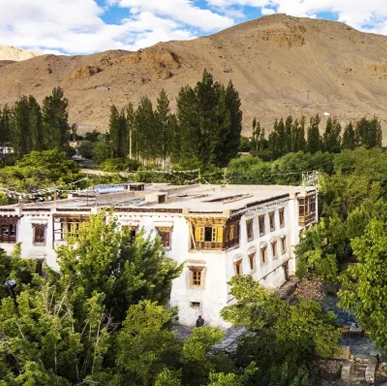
pixel 216 231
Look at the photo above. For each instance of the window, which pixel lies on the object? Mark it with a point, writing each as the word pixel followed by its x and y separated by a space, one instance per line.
pixel 232 235
pixel 209 237
pixel 263 254
pixel 274 249
pixel 165 235
pixel 39 266
pixel 283 245
pixel 131 229
pixel 39 231
pixel 262 225
pixel 307 210
pixel 282 217
pixel 252 260
pixel 195 305
pixel 272 221
pixel 196 276
pixel 250 232
pixel 8 229
pixel 238 267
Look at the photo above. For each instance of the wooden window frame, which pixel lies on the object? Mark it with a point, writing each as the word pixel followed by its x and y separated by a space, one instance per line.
pixel 307 209
pixel 196 277
pixel 274 249
pixel 250 230
pixel 165 233
pixel 238 267
pixel 263 253
pixel 283 245
pixel 281 214
pixel 217 237
pixel 232 234
pixel 8 229
pixel 272 221
pixel 262 225
pixel 39 234
pixel 252 260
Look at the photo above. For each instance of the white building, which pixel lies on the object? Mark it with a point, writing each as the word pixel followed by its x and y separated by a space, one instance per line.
pixel 216 231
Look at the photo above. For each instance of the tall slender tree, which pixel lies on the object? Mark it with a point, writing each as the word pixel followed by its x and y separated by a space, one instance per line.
pixel 314 139
pixel 349 140
pixel 55 120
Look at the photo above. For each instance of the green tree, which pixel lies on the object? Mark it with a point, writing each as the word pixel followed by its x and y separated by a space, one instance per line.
pixel 118 133
pixel 56 129
pixel 286 338
pixel 5 125
pixel 331 137
pixel 20 130
pixel 146 139
pixel 105 260
pixel 313 135
pixel 368 133
pixel 363 289
pixel 349 140
pixel 210 123
pixel 163 117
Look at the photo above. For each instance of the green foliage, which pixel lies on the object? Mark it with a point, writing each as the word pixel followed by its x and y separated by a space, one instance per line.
pixel 146 347
pixel 119 165
pixel 38 170
pixel 285 337
pixel 286 170
pixel 368 133
pixel 56 129
pixel 364 286
pixel 209 123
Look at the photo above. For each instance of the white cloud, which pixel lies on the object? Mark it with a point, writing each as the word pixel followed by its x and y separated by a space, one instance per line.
pixel 183 11
pixel 77 26
pixel 357 13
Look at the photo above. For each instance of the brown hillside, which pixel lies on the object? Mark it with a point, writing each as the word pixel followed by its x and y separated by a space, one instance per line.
pixel 280 65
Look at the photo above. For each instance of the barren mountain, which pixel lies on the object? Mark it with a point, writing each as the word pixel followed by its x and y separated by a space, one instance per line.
pixel 9 53
pixel 279 64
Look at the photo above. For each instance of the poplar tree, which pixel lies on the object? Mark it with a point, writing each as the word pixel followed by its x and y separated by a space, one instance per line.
pixel 298 135
pixel 314 138
pixel 35 125
pixel 20 127
pixel 55 120
pixel 210 122
pixel 287 141
pixel 349 141
pixel 189 126
pixel 368 133
pixel 5 126
pixel 130 117
pixel 331 137
pixel 145 127
pixel 118 133
pixel 163 117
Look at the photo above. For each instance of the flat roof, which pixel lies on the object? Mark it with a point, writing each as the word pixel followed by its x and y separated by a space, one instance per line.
pixel 194 198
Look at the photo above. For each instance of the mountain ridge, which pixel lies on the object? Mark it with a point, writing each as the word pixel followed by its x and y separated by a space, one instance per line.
pixel 280 65
pixel 10 53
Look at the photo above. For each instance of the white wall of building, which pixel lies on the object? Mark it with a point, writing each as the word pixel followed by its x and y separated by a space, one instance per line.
pixel 219 266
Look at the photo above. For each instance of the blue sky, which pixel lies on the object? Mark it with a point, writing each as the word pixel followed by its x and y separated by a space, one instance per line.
pixel 86 26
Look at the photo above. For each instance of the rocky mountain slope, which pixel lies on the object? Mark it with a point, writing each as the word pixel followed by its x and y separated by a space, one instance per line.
pixel 279 64
pixel 10 53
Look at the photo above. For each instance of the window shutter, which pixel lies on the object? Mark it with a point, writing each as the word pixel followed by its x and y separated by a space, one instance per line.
pixel 220 235
pixel 199 233
pixel 214 232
